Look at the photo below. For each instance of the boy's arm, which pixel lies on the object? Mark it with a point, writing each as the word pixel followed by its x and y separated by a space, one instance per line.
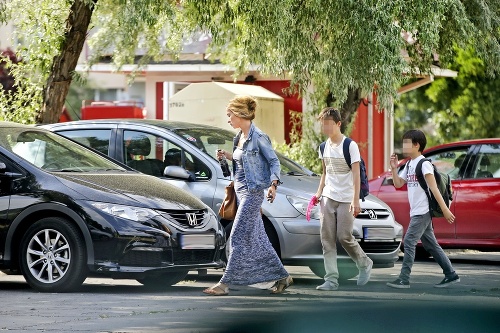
pixel 396 180
pixel 356 179
pixel 431 182
pixel 322 181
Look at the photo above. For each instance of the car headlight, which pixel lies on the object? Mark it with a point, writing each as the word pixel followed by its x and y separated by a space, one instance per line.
pixel 301 204
pixel 126 212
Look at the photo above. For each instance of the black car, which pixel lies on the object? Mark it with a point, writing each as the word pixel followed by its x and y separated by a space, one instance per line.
pixel 67 212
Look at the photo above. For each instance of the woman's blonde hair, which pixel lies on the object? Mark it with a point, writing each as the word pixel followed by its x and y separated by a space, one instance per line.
pixel 243 107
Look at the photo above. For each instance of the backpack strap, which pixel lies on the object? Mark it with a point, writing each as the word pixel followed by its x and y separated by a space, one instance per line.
pixel 422 182
pixel 322 148
pixel 347 154
pixel 419 174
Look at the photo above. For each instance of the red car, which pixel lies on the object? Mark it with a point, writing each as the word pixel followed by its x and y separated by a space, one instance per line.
pixel 474 169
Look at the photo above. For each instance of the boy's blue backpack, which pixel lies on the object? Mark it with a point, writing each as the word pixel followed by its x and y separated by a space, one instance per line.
pixel 364 188
pixel 443 183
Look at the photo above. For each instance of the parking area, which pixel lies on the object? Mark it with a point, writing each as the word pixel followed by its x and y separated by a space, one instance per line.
pixel 105 305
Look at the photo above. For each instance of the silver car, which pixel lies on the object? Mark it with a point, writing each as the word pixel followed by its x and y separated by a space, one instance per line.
pixel 184 155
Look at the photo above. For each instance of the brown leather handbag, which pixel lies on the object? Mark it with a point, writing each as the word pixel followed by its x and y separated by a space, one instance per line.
pixel 228 208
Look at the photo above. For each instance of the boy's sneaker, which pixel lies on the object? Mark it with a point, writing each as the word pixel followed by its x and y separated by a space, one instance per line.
pixel 399 284
pixel 447 281
pixel 365 273
pixel 328 286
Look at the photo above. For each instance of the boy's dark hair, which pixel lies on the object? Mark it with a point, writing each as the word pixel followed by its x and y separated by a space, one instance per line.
pixel 330 112
pixel 416 136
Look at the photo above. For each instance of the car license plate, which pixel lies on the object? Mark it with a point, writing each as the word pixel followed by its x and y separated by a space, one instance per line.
pixel 378 234
pixel 197 242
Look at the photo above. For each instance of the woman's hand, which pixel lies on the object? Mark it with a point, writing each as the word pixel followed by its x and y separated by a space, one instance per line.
pixel 271 193
pixel 221 152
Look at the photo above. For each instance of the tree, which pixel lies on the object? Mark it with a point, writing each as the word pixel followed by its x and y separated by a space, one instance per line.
pixel 456 109
pixel 466 107
pixel 8 57
pixel 51 34
pixel 344 48
pixel 11 88
pixel 64 62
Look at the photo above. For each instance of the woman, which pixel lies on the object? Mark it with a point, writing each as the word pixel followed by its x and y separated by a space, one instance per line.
pixel 256 167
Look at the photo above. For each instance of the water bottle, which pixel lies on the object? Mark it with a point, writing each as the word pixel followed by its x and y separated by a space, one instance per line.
pixel 224 166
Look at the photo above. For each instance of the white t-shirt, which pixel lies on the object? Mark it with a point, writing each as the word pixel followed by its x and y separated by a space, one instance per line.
pixel 339 184
pixel 419 204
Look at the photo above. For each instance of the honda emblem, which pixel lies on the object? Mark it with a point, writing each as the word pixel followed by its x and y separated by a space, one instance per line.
pixel 192 220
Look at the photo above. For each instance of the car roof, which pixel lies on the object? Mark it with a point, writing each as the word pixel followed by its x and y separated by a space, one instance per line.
pixel 167 124
pixel 462 143
pixel 454 145
pixel 11 124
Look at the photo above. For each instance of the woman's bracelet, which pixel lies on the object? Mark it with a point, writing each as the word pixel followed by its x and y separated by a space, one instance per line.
pixel 276 183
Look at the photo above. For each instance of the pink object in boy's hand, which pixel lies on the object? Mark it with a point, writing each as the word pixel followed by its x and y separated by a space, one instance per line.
pixel 313 202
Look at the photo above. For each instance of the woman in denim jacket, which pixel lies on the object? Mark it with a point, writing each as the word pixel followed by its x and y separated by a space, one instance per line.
pixel 256 167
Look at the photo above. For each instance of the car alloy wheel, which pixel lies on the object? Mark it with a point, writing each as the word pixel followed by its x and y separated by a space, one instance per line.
pixel 53 256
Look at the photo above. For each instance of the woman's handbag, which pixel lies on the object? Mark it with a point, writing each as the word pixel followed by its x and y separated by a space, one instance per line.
pixel 228 208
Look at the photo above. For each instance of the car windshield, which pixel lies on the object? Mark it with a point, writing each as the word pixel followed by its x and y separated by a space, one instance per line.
pixel 209 141
pixel 53 152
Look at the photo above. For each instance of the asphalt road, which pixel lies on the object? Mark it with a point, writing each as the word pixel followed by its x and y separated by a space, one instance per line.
pixel 105 305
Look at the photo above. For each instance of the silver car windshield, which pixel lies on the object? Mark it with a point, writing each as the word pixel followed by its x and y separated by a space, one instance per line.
pixel 52 152
pixel 209 141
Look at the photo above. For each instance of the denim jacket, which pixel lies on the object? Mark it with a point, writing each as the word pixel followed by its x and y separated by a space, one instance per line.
pixel 260 163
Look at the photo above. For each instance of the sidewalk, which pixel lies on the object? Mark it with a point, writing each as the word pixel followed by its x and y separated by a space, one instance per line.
pixel 474 255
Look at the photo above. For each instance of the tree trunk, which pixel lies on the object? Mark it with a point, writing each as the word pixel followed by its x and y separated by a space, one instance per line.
pixel 57 86
pixel 349 108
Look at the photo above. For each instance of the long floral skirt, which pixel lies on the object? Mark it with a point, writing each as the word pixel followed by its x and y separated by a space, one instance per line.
pixel 252 258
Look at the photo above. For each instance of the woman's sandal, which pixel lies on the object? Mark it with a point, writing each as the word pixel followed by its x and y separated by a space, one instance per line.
pixel 282 284
pixel 217 290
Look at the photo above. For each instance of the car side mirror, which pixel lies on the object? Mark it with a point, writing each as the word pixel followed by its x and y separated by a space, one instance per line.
pixel 389 181
pixel 3 167
pixel 174 171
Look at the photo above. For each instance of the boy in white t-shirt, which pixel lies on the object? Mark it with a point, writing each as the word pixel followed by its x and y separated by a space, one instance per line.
pixel 420 227
pixel 339 192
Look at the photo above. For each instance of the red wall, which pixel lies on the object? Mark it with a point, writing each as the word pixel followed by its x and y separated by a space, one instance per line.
pixel 360 135
pixel 111 111
pixel 159 100
pixel 379 131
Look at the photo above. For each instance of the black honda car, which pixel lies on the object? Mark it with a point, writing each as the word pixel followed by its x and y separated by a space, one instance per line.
pixel 67 212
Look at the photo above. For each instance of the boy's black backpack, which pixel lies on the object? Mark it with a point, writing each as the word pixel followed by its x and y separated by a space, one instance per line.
pixel 364 188
pixel 444 185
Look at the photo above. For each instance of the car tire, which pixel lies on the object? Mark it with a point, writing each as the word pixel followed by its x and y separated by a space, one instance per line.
pixel 271 234
pixel 163 281
pixel 421 253
pixel 50 266
pixel 346 270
